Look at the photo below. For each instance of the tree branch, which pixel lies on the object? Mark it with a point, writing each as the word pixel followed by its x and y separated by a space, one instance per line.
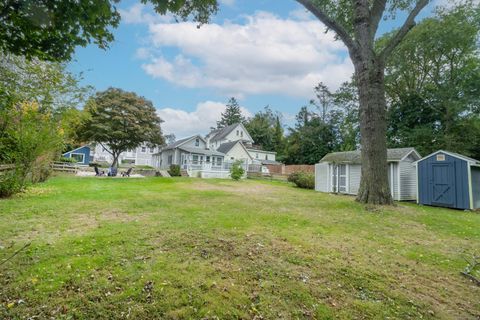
pixel 330 23
pixel 106 149
pixel 376 14
pixel 407 26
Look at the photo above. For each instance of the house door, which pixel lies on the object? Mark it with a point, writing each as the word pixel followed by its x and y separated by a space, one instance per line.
pixel 443 184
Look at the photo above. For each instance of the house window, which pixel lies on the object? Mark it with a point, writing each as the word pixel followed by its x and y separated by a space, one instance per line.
pixel 144 149
pixel 79 157
pixel 170 159
pixel 219 161
pixel 197 142
pixel 241 134
pixel 152 150
pixel 266 157
pixel 256 155
pixel 238 133
pixel 208 159
pixel 440 157
pixel 232 158
pixel 195 159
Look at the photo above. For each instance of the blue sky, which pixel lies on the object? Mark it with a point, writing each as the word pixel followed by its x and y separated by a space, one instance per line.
pixel 263 52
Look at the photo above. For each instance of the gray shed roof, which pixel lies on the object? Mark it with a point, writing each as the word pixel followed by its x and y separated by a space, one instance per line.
pixel 227 146
pixel 207 152
pixel 353 157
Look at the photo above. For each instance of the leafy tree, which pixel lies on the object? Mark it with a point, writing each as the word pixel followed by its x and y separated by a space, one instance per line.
pixel 278 139
pixel 231 115
pixel 261 126
pixel 120 121
pixel 432 84
pixel 310 139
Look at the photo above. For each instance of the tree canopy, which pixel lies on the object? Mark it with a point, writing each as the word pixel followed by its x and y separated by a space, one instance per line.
pixel 231 115
pixel 120 121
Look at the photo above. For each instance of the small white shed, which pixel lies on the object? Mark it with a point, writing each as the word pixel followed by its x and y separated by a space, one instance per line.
pixel 341 172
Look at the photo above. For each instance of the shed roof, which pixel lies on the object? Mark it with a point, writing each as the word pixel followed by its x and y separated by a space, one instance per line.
pixel 354 157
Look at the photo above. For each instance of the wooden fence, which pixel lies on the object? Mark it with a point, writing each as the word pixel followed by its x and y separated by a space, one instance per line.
pixel 64 167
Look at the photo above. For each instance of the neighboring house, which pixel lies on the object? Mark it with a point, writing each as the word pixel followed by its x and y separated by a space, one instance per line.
pixel 341 172
pixel 262 156
pixel 447 179
pixel 81 154
pixel 142 155
pixel 213 155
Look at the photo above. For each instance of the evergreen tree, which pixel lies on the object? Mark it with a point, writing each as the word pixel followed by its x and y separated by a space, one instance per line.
pixel 232 114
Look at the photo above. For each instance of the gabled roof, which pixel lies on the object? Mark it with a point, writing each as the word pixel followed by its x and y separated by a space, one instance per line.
pixel 207 152
pixel 219 134
pixel 227 146
pixel 354 157
pixel 180 142
pixel 453 154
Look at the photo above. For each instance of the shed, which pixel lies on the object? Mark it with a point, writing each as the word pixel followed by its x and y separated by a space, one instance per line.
pixel 448 179
pixel 81 154
pixel 341 172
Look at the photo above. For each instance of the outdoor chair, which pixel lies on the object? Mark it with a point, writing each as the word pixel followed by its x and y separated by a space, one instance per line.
pixel 127 173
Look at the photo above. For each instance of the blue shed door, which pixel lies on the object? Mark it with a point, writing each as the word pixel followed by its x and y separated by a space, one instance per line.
pixel 443 184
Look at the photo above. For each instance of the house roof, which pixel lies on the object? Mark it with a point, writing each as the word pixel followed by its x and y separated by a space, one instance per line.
pixel 354 157
pixel 453 154
pixel 227 146
pixel 86 145
pixel 207 152
pixel 257 149
pixel 181 141
pixel 221 133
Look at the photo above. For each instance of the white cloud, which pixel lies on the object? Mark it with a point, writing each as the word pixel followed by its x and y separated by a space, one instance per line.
pixel 265 55
pixel 140 14
pixel 199 121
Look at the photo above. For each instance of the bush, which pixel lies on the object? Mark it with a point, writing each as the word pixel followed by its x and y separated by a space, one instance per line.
pixel 174 170
pixel 303 180
pixel 237 171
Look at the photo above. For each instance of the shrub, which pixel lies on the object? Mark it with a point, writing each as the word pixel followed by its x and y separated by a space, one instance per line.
pixel 174 170
pixel 237 171
pixel 303 180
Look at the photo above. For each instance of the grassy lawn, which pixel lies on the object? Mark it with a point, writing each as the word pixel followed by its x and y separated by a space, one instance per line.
pixel 209 249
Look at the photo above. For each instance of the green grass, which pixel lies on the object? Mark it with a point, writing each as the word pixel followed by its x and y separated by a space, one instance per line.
pixel 216 249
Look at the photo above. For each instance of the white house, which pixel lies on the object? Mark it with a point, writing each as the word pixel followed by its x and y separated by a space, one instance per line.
pixel 213 155
pixel 142 155
pixel 341 172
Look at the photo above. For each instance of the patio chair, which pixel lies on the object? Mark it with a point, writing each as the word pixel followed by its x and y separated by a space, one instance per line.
pixel 97 172
pixel 127 173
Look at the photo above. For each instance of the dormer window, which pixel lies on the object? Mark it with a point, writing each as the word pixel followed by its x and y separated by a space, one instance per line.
pixel 197 142
pixel 241 134
pixel 238 133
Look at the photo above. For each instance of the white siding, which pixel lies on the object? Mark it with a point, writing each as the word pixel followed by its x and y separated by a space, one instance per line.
pixel 262 155
pixel 238 153
pixel 321 177
pixel 239 133
pixel 408 180
pixel 193 143
pixel 355 173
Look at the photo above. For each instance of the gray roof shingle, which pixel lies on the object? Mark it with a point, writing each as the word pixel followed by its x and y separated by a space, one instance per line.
pixel 353 157
pixel 227 146
pixel 223 132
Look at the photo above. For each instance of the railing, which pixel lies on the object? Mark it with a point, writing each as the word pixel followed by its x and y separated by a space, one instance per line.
pixel 209 166
pixel 64 167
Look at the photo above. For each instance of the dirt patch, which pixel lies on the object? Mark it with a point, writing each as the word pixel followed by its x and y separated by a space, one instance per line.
pixel 118 216
pixel 238 188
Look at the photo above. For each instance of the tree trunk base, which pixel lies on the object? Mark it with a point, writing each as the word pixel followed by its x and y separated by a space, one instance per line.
pixel 379 197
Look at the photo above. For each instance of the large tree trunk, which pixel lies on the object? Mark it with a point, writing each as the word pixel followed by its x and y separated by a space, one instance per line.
pixel 374 186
